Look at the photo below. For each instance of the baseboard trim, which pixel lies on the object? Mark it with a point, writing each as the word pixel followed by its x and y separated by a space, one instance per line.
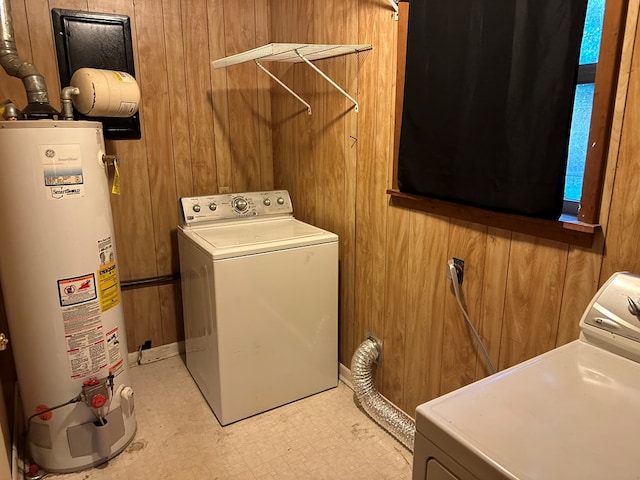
pixel 163 352
pixel 155 354
pixel 344 374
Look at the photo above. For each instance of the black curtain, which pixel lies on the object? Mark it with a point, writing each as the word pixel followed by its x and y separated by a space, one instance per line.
pixel 487 105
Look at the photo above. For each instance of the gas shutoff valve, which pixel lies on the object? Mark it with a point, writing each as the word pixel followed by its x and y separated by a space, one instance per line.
pixel 95 392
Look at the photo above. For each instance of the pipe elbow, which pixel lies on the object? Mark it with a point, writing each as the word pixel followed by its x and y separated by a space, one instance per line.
pixel 32 80
pixel 10 62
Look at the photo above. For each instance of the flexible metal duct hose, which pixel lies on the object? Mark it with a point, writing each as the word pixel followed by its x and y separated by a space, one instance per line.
pixel 33 82
pixel 383 412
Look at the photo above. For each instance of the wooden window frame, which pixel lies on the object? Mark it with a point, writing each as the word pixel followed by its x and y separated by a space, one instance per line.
pixel 579 231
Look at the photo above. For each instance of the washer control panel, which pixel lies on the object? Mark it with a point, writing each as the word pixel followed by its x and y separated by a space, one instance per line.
pixel 612 319
pixel 232 206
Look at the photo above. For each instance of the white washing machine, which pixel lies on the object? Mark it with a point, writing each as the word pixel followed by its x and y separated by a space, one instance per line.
pixel 260 301
pixel 571 413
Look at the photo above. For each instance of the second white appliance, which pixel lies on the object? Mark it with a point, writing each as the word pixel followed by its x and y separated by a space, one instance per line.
pixel 260 300
pixel 571 413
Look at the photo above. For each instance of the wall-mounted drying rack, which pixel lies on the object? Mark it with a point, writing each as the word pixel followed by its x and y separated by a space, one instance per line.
pixel 294 53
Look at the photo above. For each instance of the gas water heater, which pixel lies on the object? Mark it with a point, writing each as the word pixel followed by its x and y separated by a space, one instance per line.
pixel 59 276
pixel 58 267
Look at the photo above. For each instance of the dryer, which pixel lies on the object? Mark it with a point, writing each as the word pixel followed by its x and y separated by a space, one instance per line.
pixel 571 413
pixel 260 302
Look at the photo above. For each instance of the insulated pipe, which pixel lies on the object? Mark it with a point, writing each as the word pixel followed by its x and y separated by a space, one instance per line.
pixel 9 60
pixel 383 412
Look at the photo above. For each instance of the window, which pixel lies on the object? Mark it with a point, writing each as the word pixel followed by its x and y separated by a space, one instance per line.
pixel 593 114
pixel 582 107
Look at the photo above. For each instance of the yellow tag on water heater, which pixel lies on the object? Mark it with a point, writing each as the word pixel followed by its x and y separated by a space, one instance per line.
pixel 115 189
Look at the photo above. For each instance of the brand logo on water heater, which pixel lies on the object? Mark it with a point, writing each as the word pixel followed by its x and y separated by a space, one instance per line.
pixel 62 192
pixel 59 192
pixel 50 153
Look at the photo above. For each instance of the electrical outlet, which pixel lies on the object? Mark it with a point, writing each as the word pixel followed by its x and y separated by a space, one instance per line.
pixel 459 266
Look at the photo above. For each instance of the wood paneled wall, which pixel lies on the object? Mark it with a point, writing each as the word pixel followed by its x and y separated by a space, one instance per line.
pixel 203 130
pixel 206 130
pixel 525 294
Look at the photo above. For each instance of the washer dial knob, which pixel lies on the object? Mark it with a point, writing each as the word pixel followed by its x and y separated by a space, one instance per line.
pixel 267 202
pixel 196 208
pixel 240 204
pixel 280 201
pixel 213 207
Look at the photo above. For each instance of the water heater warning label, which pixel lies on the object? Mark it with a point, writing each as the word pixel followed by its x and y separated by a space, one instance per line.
pixel 89 358
pixel 76 290
pixel 62 171
pixel 108 286
pixel 116 362
pixel 83 329
pixel 85 339
pixel 107 276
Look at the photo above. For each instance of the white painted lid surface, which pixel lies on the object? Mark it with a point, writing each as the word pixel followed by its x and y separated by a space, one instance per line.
pixel 258 236
pixel 571 413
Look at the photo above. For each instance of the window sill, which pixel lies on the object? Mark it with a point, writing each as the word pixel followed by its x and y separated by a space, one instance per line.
pixel 567 229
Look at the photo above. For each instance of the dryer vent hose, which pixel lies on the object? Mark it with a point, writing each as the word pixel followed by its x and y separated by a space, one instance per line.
pixel 383 412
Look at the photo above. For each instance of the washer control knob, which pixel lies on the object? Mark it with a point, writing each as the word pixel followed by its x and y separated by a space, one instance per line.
pixel 267 202
pixel 196 208
pixel 240 204
pixel 213 207
pixel 280 201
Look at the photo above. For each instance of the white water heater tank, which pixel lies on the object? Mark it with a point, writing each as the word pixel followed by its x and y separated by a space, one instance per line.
pixel 59 277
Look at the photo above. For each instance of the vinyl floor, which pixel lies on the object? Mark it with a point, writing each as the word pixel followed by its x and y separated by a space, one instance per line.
pixel 323 437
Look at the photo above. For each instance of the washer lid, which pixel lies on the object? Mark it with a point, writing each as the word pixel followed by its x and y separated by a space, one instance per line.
pixel 569 413
pixel 257 236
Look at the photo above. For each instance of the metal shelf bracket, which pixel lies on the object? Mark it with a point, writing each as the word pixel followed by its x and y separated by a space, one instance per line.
pixel 334 84
pixel 294 53
pixel 394 5
pixel 283 85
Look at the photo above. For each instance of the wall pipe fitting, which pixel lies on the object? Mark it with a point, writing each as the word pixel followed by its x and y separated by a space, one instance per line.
pixel 383 412
pixel 33 81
